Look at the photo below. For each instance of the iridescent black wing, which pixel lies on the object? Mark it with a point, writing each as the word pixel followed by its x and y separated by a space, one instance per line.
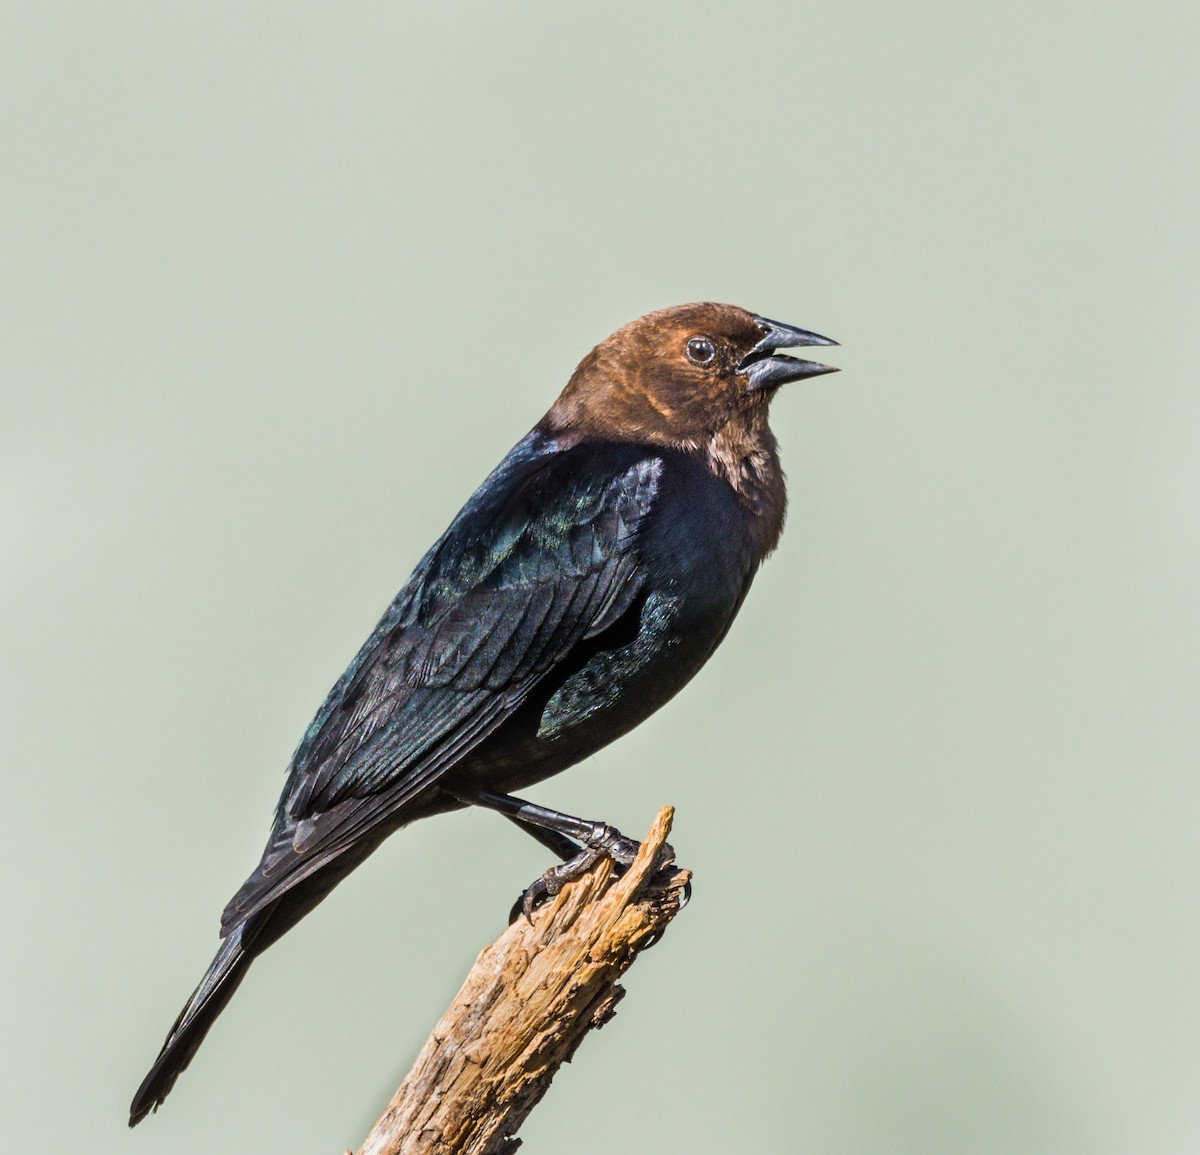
pixel 541 558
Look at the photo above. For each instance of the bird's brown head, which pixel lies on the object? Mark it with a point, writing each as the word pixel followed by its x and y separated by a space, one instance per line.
pixel 684 377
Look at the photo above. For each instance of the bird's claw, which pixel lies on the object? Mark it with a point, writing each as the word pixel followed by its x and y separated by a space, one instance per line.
pixel 534 895
pixel 622 850
pixel 549 884
pixel 606 842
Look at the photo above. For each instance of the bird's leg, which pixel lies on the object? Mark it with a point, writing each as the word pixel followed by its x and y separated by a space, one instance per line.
pixel 555 830
pixel 595 836
pixel 556 843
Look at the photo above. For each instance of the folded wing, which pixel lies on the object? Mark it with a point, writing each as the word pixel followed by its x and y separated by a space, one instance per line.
pixel 542 557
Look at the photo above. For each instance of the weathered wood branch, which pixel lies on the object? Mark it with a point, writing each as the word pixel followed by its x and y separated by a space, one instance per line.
pixel 529 1001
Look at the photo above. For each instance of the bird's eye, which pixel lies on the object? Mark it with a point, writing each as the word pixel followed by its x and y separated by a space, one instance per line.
pixel 701 350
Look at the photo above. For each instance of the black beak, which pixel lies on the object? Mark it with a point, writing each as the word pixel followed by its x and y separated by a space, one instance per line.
pixel 767 372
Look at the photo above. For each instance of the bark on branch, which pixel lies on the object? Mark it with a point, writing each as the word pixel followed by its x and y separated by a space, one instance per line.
pixel 529 1001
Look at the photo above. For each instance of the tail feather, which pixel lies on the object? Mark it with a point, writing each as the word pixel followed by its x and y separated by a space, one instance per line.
pixel 208 1000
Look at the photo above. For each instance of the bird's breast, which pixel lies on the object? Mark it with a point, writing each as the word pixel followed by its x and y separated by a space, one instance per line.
pixel 696 558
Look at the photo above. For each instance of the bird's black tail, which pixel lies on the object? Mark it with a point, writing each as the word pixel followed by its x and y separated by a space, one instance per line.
pixel 208 1000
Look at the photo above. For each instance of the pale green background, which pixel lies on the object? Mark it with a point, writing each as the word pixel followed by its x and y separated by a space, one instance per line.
pixel 280 283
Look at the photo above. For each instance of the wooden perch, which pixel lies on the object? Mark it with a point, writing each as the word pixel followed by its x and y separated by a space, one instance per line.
pixel 528 1002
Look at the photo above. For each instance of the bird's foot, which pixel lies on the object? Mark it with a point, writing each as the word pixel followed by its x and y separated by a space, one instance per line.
pixel 604 841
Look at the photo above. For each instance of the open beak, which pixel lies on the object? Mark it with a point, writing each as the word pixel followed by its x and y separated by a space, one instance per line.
pixel 765 371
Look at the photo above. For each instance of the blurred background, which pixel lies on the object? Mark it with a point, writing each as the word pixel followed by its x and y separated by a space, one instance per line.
pixel 280 283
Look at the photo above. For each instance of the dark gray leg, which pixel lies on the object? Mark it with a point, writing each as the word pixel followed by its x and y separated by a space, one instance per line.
pixel 556 830
pixel 556 843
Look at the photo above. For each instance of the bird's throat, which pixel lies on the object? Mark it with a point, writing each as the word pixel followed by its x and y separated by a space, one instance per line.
pixel 745 454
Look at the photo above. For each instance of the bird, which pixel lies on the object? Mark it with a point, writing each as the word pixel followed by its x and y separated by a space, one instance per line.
pixel 583 584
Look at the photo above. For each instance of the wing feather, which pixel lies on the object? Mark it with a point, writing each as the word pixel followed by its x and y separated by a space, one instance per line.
pixel 541 558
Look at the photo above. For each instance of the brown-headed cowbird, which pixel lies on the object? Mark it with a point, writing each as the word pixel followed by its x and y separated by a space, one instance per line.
pixel 585 582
